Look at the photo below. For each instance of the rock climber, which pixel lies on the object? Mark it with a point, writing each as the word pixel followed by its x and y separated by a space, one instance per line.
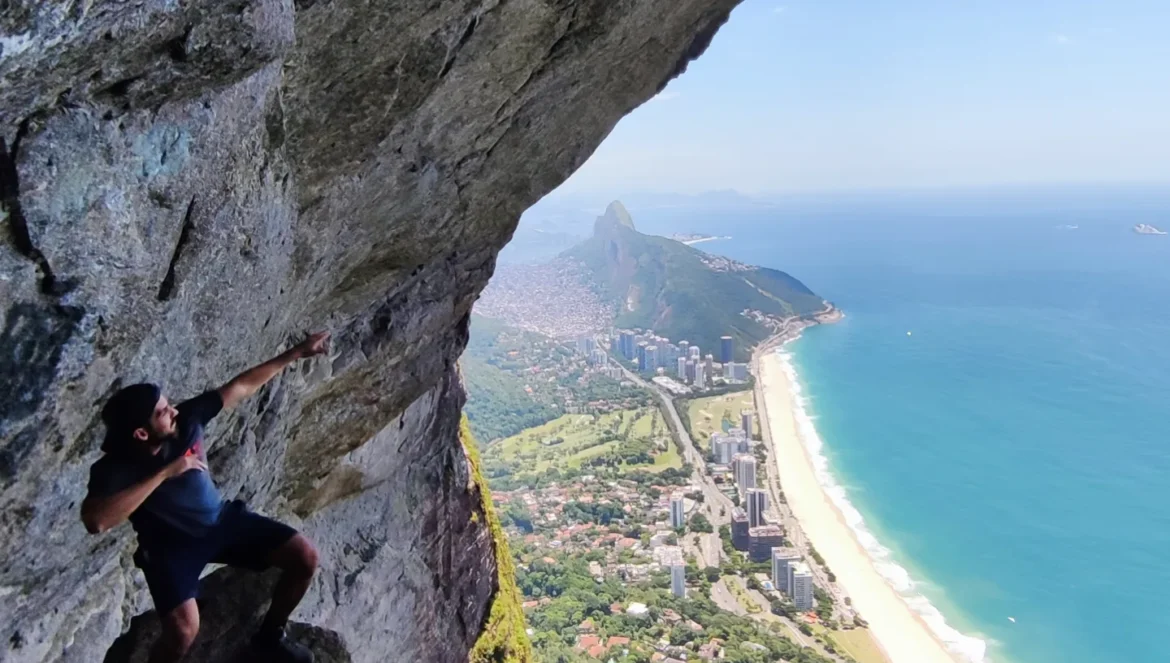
pixel 154 473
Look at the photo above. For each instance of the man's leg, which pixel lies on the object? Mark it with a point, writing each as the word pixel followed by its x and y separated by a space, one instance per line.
pixel 297 561
pixel 179 628
pixel 258 543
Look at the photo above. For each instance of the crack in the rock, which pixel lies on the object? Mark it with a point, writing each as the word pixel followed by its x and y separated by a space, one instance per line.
pixel 166 289
pixel 17 224
pixel 449 61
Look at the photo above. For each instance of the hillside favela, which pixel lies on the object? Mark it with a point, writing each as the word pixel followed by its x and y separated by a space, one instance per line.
pixel 620 393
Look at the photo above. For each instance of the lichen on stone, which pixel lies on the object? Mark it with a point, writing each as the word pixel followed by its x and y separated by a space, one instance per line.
pixel 504 639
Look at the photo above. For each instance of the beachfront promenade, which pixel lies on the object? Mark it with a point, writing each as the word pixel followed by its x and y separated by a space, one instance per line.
pixel 810 515
pixel 792 528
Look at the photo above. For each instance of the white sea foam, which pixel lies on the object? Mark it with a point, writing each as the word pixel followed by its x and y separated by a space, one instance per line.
pixel 970 648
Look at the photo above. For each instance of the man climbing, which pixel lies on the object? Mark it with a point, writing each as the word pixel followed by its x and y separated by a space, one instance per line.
pixel 154 473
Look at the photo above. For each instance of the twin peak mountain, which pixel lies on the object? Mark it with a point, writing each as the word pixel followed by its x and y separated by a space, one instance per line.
pixel 683 293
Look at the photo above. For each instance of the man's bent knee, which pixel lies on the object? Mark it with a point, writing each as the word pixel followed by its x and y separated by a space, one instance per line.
pixel 297 556
pixel 179 628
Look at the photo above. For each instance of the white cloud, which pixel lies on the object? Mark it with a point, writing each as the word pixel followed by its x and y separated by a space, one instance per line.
pixel 780 10
pixel 1061 39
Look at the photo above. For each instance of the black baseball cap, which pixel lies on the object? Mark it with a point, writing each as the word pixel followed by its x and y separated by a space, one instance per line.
pixel 128 410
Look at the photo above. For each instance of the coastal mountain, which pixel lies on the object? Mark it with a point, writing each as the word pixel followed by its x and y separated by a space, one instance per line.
pixel 681 292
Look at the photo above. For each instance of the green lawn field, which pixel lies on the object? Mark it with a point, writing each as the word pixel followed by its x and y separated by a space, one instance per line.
pixel 707 414
pixel 573 439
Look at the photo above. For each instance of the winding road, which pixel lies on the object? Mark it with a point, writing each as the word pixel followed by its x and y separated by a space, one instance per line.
pixel 714 501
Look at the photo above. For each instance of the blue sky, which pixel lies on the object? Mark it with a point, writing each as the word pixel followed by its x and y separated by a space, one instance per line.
pixel 808 95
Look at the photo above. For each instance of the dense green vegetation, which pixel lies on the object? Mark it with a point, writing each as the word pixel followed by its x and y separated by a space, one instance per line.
pixel 503 397
pixel 497 404
pixel 576 596
pixel 503 639
pixel 699 523
pixel 611 444
pixel 679 296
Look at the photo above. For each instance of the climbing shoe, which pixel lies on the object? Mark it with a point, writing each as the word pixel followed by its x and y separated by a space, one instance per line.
pixel 275 647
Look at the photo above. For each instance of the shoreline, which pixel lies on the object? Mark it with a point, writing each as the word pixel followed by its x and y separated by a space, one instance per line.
pixel 901 632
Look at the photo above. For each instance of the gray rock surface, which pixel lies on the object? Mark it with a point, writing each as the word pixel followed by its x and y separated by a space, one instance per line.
pixel 228 624
pixel 188 186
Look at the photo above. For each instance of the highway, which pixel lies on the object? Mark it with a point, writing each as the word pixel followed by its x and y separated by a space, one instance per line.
pixel 716 505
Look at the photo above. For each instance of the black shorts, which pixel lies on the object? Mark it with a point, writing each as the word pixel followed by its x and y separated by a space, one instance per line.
pixel 240 538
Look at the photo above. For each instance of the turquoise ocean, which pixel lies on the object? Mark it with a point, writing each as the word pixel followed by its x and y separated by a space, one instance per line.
pixel 1010 455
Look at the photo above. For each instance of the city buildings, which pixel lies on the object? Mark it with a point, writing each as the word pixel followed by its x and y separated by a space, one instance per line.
pixel 745 421
pixel 723 448
pixel 800 583
pixel 744 468
pixel 735 372
pixel 761 541
pixel 650 352
pixel 739 529
pixel 585 345
pixel 598 357
pixel 678 580
pixel 677 511
pixel 669 384
pixel 626 343
pixel 673 559
pixel 757 504
pixel 782 558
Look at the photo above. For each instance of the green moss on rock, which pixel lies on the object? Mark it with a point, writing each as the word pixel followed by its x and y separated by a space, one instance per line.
pixel 503 639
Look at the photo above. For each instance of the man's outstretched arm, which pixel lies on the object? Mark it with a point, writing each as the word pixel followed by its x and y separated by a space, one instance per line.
pixel 247 383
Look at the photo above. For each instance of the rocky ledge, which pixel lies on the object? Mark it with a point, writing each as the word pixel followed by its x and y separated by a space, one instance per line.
pixel 240 599
pixel 187 187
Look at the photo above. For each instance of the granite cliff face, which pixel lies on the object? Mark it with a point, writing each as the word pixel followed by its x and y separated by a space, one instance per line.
pixel 188 186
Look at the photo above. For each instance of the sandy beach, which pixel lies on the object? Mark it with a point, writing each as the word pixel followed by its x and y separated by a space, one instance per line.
pixel 903 636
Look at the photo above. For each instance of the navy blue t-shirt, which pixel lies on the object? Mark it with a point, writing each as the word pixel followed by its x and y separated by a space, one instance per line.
pixel 188 504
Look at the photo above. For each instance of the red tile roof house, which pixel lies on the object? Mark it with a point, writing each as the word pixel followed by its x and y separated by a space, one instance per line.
pixel 617 641
pixel 587 641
